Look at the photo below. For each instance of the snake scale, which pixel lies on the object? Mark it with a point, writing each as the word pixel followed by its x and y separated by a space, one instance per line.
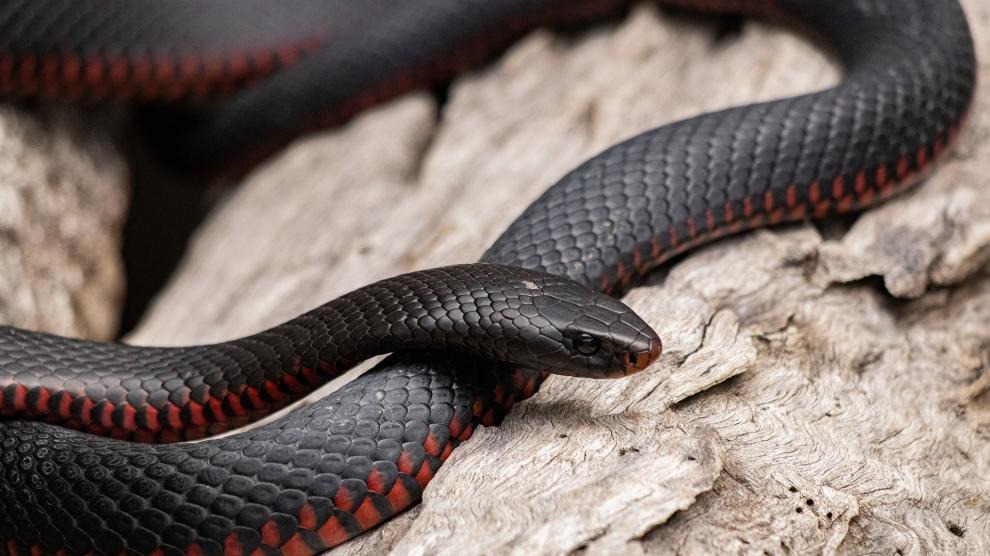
pixel 327 472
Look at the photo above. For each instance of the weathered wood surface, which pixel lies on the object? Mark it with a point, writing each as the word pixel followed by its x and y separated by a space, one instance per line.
pixel 62 201
pixel 824 388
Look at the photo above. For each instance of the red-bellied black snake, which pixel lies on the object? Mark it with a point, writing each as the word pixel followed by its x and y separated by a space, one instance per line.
pixel 261 72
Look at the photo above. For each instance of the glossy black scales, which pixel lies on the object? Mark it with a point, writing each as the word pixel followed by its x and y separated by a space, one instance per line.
pixel 152 393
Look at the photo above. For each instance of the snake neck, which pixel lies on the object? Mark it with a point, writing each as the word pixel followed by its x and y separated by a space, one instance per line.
pixel 910 74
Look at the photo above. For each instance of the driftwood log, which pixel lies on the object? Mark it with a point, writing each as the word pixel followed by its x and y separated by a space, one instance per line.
pixel 63 197
pixel 825 388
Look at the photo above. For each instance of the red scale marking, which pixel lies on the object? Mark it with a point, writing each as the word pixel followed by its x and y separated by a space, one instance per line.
pixel 254 396
pixel 328 368
pixel 150 417
pixel 145 436
pixel 164 70
pixel 861 186
pixel 289 55
pixel 94 73
pixel 173 417
pixel 509 402
pixel 212 68
pixel 638 259
pixel 866 197
pixel 6 72
pixel 232 546
pixel 425 475
pixel 118 71
pixel 375 482
pixel 265 62
pixel 332 532
pixel 196 414
pixel 367 515
pixel 710 219
pixel 447 450
pixel 273 391
pixel 105 417
pixel 85 413
pixel 814 193
pixel 310 375
pixel 44 398
pixel 292 383
pixel 237 67
pixel 216 408
pixel 692 229
pixel 270 534
pixel 141 73
pixel 189 69
pixel 623 273
pixel 838 188
pixel 26 74
pixel 655 247
pixel 296 546
pixel 431 446
pixel 606 284
pixel 49 76
pixel 307 517
pixel 768 201
pixel 455 426
pixel 130 413
pixel 902 167
pixel 747 207
pixel 342 499
pixel 845 205
pixel 168 437
pixel 399 497
pixel 730 213
pixel 791 196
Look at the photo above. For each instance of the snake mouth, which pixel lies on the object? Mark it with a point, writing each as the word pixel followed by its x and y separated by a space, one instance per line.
pixel 637 361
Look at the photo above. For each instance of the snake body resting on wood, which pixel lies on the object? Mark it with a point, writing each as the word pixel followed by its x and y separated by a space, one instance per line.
pixel 151 394
pixel 329 471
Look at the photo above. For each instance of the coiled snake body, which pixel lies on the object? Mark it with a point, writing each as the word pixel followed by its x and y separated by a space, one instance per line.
pixel 327 472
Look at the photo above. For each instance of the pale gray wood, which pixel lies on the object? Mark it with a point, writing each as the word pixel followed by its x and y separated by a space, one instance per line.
pixel 62 202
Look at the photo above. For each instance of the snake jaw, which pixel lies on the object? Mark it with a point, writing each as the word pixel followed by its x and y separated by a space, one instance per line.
pixel 637 361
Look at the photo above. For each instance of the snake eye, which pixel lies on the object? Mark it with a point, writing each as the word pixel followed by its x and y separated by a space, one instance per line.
pixel 586 344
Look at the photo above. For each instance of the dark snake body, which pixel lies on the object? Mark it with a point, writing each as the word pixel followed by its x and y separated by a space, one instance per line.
pixel 160 394
pixel 329 471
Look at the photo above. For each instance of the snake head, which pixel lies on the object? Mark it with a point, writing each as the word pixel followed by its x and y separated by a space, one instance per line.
pixel 587 334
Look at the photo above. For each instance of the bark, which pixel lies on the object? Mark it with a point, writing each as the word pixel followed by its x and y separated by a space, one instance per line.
pixel 62 205
pixel 823 388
